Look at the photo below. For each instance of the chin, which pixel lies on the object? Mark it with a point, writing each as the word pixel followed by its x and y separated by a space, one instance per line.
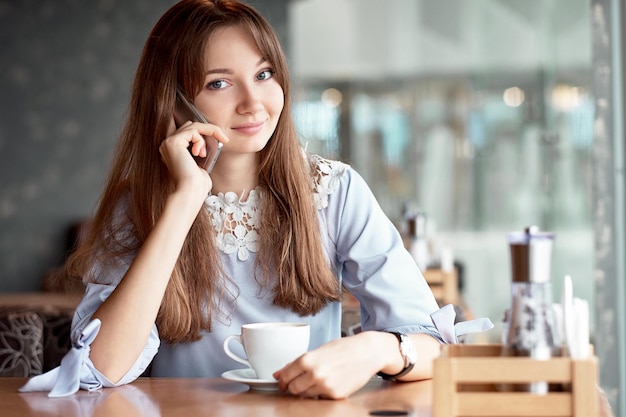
pixel 249 147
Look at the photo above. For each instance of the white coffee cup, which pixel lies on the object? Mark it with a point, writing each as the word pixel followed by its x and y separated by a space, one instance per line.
pixel 270 346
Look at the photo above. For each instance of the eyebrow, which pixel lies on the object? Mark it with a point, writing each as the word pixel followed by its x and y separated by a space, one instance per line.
pixel 227 71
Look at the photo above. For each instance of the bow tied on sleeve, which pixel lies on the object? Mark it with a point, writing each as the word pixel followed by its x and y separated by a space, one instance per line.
pixel 66 379
pixel 443 319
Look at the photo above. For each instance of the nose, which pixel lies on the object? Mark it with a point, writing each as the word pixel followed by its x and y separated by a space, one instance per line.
pixel 250 99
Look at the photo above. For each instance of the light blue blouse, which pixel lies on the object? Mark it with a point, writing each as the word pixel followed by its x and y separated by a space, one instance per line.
pixel 371 262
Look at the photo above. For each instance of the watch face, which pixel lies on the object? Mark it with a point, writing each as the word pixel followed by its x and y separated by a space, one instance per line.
pixel 408 349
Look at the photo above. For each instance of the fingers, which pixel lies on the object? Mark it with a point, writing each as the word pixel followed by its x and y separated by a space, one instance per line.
pixel 196 135
pixel 175 154
pixel 197 142
pixel 308 385
pixel 292 377
pixel 300 384
pixel 192 135
pixel 303 378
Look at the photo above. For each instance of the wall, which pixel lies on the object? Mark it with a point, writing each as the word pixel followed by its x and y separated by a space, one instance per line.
pixel 66 67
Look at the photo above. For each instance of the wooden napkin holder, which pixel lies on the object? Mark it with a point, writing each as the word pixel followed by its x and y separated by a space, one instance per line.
pixel 467 378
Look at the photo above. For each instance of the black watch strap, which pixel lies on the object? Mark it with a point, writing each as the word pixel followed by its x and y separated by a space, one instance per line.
pixel 408 364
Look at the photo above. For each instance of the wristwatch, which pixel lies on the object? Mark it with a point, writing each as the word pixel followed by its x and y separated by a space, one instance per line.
pixel 408 353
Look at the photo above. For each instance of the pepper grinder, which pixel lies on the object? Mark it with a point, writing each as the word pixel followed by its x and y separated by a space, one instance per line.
pixel 530 326
pixel 418 239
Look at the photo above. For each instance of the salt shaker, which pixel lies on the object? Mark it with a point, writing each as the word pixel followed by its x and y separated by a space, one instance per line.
pixel 530 329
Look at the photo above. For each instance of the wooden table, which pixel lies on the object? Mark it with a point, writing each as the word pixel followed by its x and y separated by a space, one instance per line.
pixel 41 300
pixel 216 397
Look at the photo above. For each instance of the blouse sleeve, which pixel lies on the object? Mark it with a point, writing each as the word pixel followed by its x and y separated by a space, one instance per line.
pixel 373 263
pixel 76 369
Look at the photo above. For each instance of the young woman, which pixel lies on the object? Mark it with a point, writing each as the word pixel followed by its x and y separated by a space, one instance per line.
pixel 177 259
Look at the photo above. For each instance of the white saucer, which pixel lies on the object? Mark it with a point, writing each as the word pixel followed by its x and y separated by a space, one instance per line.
pixel 248 377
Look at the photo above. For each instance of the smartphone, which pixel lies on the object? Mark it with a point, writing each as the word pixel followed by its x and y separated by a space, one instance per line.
pixel 184 111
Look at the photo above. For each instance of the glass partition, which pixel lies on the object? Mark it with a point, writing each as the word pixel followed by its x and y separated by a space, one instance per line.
pixel 477 113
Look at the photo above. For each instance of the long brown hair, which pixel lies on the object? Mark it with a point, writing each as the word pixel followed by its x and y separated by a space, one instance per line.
pixel 295 268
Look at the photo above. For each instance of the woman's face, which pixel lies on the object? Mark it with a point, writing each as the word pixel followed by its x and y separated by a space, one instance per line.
pixel 240 93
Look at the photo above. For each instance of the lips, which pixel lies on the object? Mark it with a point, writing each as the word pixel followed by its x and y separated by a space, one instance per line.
pixel 249 128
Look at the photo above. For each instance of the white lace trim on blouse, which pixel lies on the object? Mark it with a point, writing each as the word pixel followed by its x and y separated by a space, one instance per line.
pixel 236 221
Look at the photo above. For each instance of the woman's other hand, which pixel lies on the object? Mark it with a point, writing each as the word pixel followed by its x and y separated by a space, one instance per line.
pixel 343 366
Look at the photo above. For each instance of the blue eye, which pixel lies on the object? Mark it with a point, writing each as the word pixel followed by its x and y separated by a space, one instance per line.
pixel 216 85
pixel 265 75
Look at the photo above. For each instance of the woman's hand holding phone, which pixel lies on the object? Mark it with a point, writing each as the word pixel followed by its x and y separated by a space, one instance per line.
pixel 182 143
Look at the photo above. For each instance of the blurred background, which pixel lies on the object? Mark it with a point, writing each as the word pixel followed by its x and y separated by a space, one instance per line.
pixel 477 113
pixel 486 116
